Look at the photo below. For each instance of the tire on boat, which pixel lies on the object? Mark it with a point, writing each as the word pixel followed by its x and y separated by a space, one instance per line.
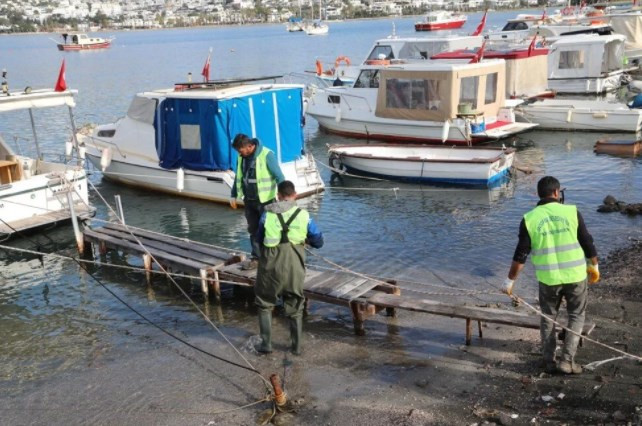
pixel 336 163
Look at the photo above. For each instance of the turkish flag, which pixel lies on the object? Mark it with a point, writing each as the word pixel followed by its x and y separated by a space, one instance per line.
pixel 532 46
pixel 479 55
pixel 206 68
pixel 481 25
pixel 61 84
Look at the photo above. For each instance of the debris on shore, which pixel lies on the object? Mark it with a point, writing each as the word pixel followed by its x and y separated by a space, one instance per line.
pixel 610 204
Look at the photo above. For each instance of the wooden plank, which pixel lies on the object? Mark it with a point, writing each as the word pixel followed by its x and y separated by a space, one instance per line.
pixel 327 286
pixel 498 316
pixel 98 237
pixel 361 290
pixel 179 242
pixel 169 248
pixel 346 287
pixel 235 270
pixel 319 280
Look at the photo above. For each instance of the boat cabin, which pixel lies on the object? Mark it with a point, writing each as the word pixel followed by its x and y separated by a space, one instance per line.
pixel 629 25
pixel 439 92
pixel 417 48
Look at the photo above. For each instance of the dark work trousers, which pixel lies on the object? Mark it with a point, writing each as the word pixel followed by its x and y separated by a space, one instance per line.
pixel 253 211
pixel 549 299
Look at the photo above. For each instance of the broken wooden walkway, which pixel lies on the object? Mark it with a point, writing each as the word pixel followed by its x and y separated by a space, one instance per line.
pixel 363 296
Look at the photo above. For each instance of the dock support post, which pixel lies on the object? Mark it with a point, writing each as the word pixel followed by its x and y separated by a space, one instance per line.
pixel 80 240
pixel 217 287
pixel 204 287
pixel 469 331
pixel 147 263
pixel 479 327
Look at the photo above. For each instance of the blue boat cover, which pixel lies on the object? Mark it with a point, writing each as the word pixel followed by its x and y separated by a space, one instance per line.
pixel 197 134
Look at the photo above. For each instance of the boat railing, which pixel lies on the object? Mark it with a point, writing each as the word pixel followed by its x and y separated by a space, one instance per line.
pixel 344 97
pixel 102 141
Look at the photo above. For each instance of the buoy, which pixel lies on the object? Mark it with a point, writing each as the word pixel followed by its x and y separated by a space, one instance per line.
pixel 180 179
pixel 337 117
pixel 69 147
pixel 445 130
pixel 105 159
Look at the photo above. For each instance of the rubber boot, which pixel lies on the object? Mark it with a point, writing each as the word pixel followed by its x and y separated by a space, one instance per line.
pixel 265 331
pixel 296 334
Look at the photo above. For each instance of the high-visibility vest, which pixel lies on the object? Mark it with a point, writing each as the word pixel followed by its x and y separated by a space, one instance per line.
pixel 265 182
pixel 556 253
pixel 297 229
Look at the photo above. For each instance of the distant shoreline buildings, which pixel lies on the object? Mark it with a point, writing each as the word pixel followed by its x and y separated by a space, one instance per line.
pixel 82 15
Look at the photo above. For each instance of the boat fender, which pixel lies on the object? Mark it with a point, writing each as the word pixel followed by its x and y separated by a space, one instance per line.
pixel 105 159
pixel 319 68
pixel 600 114
pixel 337 116
pixel 569 116
pixel 305 105
pixel 445 130
pixel 69 146
pixel 81 152
pixel 180 179
pixel 336 164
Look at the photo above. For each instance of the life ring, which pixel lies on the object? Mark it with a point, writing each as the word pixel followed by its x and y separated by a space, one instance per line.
pixel 319 68
pixel 340 59
pixel 378 62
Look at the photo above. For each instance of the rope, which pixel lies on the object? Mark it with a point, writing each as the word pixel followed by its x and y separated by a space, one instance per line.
pixel 199 310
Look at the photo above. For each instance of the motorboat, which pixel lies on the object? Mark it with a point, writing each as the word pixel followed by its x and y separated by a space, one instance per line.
pixel 441 20
pixel 316 27
pixel 178 140
pixel 37 192
pixel 585 115
pixel 441 164
pixel 526 26
pixel 586 64
pixel 83 42
pixel 526 66
pixel 294 25
pixel 430 102
pixel 618 147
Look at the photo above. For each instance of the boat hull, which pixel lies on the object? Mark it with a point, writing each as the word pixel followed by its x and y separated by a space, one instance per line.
pixel 437 26
pixel 91 46
pixel 438 166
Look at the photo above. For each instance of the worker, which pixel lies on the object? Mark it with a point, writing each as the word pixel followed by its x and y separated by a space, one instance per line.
pixel 257 175
pixel 283 230
pixel 556 236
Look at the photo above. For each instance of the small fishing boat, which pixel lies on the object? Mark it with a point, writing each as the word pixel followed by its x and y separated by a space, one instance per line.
pixel 35 192
pixel 446 164
pixel 627 148
pixel 294 24
pixel 441 20
pixel 585 115
pixel 83 42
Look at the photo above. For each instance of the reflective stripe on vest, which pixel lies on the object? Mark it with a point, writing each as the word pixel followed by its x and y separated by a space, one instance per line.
pixel 297 230
pixel 265 182
pixel 556 253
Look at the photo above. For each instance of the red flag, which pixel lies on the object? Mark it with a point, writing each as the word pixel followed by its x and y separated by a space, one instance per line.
pixel 543 15
pixel 531 47
pixel 479 55
pixel 481 25
pixel 61 84
pixel 206 68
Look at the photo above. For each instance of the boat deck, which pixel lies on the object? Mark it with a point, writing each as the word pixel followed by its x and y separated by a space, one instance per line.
pixel 364 296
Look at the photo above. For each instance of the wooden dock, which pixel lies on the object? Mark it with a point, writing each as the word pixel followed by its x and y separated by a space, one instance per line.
pixel 363 296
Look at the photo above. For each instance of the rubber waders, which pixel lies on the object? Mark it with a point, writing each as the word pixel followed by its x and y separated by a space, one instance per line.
pixel 296 333
pixel 265 328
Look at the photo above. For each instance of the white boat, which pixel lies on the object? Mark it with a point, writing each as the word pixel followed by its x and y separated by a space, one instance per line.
pixel 430 102
pixel 34 192
pixel 586 64
pixel 441 20
pixel 316 28
pixel 630 26
pixel 190 153
pixel 552 27
pixel 561 114
pixel 74 42
pixel 456 165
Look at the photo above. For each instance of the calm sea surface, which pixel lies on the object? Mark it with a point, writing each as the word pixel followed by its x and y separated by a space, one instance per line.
pixel 52 316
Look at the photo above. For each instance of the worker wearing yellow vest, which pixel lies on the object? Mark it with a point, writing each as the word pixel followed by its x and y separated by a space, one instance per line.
pixel 257 175
pixel 559 243
pixel 284 229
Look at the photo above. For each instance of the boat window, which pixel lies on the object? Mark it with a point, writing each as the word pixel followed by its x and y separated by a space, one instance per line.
pixel 515 26
pixel 334 99
pixel 190 136
pixel 491 89
pixel 107 133
pixel 468 90
pixel 368 79
pixel 412 94
pixel 142 109
pixel 381 50
pixel 571 59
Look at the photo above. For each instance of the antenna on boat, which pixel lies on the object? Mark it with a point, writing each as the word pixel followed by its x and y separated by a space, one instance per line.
pixel 394 31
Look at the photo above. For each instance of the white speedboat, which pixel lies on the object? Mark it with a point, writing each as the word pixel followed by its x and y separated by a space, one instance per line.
pixel 456 165
pixel 441 20
pixel 430 102
pixel 572 114
pixel 586 64
pixel 34 192
pixel 179 140
pixel 316 28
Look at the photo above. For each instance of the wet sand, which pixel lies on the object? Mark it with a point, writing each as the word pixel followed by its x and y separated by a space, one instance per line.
pixel 427 376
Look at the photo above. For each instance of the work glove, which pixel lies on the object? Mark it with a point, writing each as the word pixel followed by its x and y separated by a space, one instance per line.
pixel 508 286
pixel 593 272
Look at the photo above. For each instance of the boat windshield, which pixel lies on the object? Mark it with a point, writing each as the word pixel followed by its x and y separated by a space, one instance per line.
pixel 515 26
pixel 381 50
pixel 368 79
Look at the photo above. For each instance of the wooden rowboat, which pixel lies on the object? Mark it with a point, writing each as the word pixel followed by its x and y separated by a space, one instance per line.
pixel 618 147
pixel 455 165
